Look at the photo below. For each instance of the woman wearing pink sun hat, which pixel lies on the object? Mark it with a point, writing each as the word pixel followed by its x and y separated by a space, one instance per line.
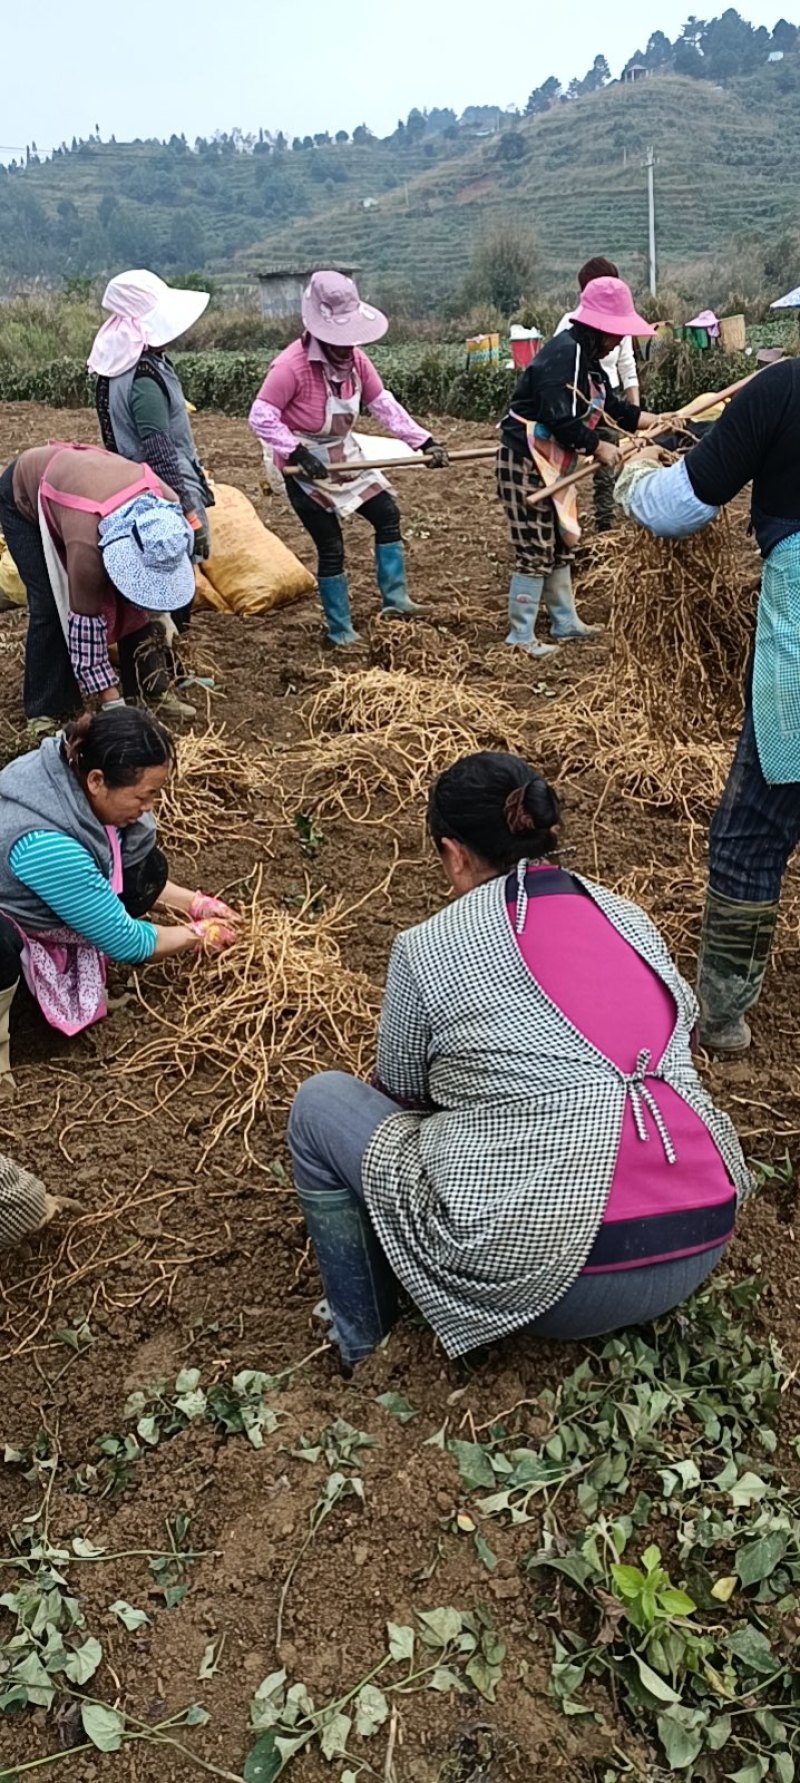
pixel 304 415
pixel 554 414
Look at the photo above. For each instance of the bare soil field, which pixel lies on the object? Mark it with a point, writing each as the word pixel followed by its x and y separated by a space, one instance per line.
pixel 186 1262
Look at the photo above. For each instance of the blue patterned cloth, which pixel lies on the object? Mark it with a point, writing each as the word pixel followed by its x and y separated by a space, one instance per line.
pixel 776 669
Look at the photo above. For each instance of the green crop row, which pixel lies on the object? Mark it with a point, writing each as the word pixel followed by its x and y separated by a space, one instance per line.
pixel 428 381
pixel 431 382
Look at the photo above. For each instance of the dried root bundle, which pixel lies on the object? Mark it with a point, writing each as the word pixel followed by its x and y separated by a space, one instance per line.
pixel 419 649
pixel 681 623
pixel 600 727
pixel 275 1008
pixel 378 739
pixel 376 699
pixel 217 790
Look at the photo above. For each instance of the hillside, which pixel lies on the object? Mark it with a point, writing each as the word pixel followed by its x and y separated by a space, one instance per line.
pixel 728 169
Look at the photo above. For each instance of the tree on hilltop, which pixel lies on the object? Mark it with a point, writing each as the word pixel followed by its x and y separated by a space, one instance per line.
pixel 543 97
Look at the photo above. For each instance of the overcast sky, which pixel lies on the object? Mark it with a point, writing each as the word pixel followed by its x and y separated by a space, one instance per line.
pixel 298 65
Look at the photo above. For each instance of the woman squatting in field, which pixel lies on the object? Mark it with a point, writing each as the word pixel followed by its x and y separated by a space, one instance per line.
pixel 304 415
pixel 80 869
pixel 536 1151
pixel 556 411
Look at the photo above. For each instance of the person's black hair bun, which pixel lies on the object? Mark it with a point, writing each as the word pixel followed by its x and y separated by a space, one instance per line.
pixel 541 805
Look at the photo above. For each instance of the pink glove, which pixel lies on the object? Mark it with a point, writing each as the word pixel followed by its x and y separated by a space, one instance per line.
pixel 203 907
pixel 213 936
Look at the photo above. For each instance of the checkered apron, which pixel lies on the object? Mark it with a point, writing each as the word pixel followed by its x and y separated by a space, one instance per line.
pixel 488 1207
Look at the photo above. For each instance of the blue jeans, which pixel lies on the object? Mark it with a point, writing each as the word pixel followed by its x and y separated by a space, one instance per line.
pixel 754 830
pixel 331 1124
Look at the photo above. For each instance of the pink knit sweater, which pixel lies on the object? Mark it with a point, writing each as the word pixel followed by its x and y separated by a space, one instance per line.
pixel 292 400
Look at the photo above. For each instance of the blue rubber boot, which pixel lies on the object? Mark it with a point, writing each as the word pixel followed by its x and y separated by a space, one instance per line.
pixel 559 600
pixel 390 565
pixel 524 596
pixel 335 598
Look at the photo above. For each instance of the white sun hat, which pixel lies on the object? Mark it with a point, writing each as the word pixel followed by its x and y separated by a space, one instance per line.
pixel 144 312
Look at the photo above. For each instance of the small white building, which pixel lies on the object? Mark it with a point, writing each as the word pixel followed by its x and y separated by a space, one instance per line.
pixel 281 288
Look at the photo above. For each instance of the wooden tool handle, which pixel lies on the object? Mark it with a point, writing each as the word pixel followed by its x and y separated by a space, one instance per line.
pixel 583 471
pixel 701 404
pixel 420 461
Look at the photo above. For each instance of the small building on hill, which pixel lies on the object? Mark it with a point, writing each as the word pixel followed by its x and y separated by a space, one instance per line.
pixel 635 71
pixel 281 288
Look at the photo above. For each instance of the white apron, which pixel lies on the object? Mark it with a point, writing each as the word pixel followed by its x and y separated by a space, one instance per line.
pixel 336 445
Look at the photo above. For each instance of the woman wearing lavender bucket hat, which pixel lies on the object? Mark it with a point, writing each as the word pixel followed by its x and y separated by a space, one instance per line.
pixel 304 415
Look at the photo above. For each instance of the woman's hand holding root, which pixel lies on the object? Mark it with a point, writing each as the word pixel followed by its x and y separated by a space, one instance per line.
pixel 213 936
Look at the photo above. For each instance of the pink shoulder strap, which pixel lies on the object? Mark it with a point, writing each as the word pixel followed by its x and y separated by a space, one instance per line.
pixel 147 483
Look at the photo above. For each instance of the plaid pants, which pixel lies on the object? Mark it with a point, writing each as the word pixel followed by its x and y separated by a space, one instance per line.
pixel 537 542
pixel 755 828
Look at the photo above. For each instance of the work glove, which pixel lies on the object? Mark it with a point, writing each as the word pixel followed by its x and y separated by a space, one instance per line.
pixel 201 547
pixel 202 908
pixel 311 466
pixel 438 456
pixel 213 936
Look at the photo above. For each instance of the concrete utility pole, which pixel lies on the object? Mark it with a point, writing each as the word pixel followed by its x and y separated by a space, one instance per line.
pixel 651 216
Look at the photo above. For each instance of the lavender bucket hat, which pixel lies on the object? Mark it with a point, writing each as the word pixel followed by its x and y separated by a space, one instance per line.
pixel 146 548
pixel 334 313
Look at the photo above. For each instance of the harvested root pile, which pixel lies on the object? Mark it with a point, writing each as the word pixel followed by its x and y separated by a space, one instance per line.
pixel 601 727
pixel 420 649
pixel 275 1008
pixel 681 623
pixel 379 739
pixel 661 726
pixel 217 789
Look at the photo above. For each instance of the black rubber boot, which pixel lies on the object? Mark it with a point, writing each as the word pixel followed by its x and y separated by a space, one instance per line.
pixel 735 946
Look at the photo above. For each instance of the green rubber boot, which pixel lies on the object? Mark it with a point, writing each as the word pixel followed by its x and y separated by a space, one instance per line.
pixel 735 945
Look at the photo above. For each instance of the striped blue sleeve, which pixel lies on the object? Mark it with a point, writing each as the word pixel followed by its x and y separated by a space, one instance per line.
pixel 63 875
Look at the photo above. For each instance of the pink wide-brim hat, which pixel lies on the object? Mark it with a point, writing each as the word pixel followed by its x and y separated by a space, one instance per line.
pixel 607 304
pixel 334 313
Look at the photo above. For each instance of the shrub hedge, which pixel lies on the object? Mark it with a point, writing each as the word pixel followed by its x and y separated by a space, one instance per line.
pixel 431 382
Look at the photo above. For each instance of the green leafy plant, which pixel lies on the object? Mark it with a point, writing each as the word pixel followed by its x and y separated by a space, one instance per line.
pixel 447 1650
pixel 340 1444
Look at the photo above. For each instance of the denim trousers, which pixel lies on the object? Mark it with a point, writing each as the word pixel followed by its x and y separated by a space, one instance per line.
pixel 755 828
pixel 333 1119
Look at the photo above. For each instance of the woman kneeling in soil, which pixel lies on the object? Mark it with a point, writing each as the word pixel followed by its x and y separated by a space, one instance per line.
pixel 79 869
pixel 536 1150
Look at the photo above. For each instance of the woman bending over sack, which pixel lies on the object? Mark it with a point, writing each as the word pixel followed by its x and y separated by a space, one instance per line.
pixel 556 411
pixel 80 869
pixel 304 415
pixel 536 1151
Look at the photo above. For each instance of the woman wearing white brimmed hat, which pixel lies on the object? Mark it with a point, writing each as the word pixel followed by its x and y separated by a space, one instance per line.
pixel 304 415
pixel 140 402
pixel 99 544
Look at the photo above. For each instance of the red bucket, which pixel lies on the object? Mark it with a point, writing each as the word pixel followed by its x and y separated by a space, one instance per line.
pixel 524 348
